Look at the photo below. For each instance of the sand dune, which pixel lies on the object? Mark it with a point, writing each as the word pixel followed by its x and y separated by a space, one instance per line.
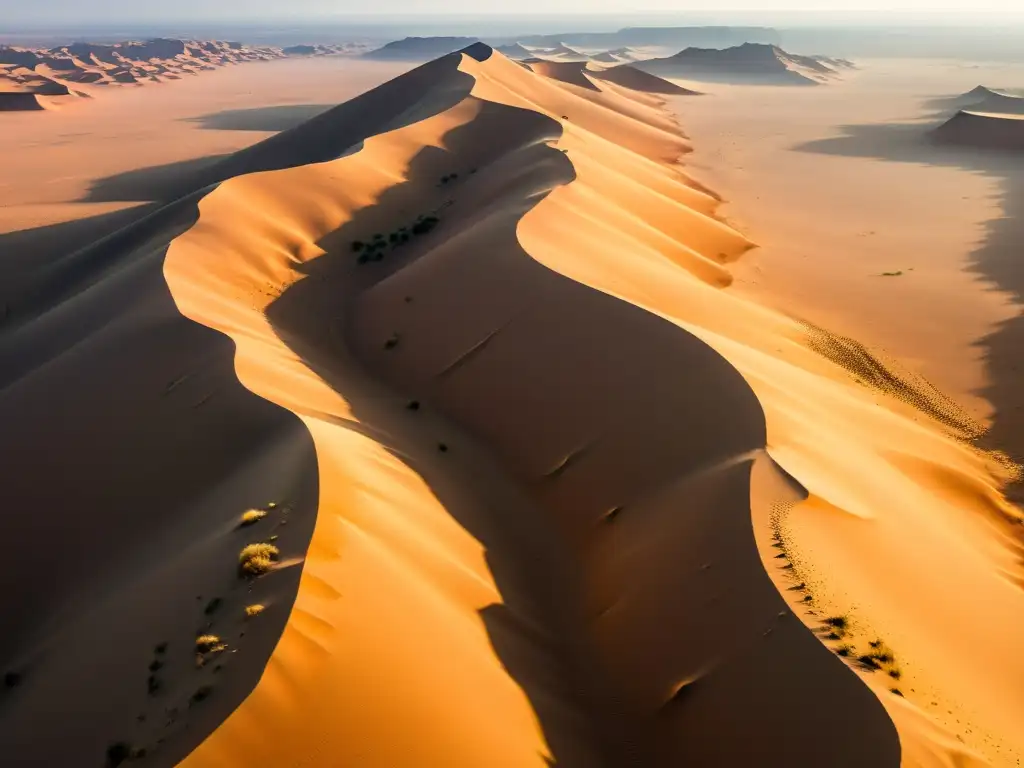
pixel 748 63
pixel 515 51
pixel 419 48
pixel 982 99
pixel 467 333
pixel 582 75
pixel 992 130
pixel 92 66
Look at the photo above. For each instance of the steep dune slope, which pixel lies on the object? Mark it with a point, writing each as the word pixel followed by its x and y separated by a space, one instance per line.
pixel 992 130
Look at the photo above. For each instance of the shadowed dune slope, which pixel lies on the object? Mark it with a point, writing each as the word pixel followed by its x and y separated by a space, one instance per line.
pixel 582 75
pixel 983 129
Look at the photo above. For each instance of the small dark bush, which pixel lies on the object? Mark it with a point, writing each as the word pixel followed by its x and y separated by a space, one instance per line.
pixel 358 245
pixel 117 753
pixel 212 606
pixel 202 694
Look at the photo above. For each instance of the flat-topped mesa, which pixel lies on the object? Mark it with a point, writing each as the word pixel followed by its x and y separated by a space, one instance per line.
pixel 753 63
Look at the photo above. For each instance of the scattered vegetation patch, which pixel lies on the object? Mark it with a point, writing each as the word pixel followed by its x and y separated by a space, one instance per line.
pixel 153 685
pixel 448 179
pixel 442 447
pixel 414 405
pixel 898 273
pixel 425 224
pixel 155 665
pixel 212 606
pixel 374 250
pixel 208 643
pixel 160 649
pixel 251 517
pixel 896 691
pixel 839 623
pixel 881 653
pixel 12 679
pixel 868 661
pixel 257 559
pixel 254 610
pixel 845 651
pixel 392 341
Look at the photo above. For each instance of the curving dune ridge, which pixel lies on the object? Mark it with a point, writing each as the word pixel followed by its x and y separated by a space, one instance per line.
pixel 548 530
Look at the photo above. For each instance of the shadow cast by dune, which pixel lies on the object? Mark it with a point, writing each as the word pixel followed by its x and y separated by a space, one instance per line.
pixel 130 448
pixel 270 119
pixel 997 260
pixel 157 183
pixel 511 413
pixel 27 252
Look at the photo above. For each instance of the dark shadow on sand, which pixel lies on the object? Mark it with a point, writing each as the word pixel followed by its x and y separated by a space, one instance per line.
pixel 270 119
pixel 999 260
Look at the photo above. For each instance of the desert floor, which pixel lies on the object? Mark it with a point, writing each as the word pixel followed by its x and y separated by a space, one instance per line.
pixel 839 185
pixel 126 146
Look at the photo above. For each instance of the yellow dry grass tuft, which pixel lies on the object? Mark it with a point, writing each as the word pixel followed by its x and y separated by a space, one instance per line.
pixel 254 610
pixel 251 517
pixel 257 559
pixel 208 643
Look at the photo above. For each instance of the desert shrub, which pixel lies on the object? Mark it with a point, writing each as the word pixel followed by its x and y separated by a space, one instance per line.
pixel 202 694
pixel 208 643
pixel 257 559
pixel 254 610
pixel 251 517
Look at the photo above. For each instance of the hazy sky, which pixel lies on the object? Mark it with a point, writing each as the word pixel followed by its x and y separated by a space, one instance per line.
pixel 100 10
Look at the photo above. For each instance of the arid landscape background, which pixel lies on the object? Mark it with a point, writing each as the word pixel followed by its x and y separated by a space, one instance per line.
pixel 626 396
